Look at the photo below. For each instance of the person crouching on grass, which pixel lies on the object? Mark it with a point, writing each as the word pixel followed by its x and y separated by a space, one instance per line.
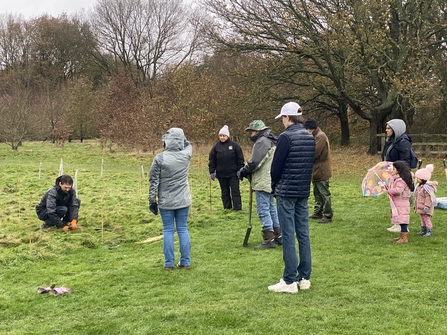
pixel 425 199
pixel 59 206
pixel 400 188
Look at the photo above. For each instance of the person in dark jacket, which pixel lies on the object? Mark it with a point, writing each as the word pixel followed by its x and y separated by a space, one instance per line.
pixel 258 170
pixel 291 174
pixel 397 148
pixel 225 160
pixel 321 174
pixel 398 144
pixel 59 206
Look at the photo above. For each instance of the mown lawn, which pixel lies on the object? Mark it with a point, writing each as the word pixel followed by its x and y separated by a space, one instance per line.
pixel 361 282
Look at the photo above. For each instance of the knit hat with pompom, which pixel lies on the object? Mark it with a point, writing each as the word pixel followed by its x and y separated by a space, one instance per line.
pixel 224 131
pixel 425 173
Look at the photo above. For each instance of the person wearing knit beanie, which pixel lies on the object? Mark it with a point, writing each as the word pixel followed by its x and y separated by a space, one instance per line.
pixel 425 173
pixel 225 160
pixel 310 124
pixel 224 131
pixel 425 199
pixel 321 173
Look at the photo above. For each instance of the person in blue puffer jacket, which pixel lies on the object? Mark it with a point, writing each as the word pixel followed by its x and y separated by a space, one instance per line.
pixel 291 174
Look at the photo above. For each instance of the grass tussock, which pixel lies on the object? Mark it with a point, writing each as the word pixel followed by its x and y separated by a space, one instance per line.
pixel 361 282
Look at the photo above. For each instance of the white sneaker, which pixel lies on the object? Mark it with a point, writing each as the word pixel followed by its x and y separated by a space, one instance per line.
pixel 394 229
pixel 304 284
pixel 282 286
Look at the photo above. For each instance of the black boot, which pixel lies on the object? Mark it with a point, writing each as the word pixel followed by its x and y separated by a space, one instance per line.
pixel 278 235
pixel 423 231
pixel 428 233
pixel 269 240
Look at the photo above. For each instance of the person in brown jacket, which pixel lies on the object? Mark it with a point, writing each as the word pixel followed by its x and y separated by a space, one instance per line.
pixel 322 172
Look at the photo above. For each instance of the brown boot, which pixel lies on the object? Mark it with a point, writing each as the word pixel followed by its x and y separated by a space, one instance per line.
pixel 402 239
pixel 278 235
pixel 269 240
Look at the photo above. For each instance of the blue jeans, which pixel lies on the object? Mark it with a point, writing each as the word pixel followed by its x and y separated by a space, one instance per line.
pixel 180 216
pixel 265 207
pixel 293 218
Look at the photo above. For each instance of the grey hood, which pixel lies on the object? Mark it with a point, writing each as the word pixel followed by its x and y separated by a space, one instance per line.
pixel 398 127
pixel 174 139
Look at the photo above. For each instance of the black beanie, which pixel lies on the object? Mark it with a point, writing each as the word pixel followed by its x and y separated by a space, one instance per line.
pixel 310 124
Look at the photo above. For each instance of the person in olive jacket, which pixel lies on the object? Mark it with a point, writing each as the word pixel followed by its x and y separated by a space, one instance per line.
pixel 59 206
pixel 225 160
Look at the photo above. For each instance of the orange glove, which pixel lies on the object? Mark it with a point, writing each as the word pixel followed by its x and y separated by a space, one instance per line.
pixel 73 224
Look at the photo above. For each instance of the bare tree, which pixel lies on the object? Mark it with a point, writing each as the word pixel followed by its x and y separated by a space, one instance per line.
pixel 145 35
pixel 79 110
pixel 18 120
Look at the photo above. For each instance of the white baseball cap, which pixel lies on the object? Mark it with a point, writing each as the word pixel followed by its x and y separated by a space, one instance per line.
pixel 290 108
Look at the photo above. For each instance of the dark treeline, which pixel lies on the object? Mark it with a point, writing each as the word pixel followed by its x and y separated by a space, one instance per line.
pixel 128 70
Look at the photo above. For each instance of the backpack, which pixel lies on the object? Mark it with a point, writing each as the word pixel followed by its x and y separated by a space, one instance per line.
pixel 413 159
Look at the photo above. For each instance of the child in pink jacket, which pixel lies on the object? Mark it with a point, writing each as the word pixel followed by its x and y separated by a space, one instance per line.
pixel 425 200
pixel 400 188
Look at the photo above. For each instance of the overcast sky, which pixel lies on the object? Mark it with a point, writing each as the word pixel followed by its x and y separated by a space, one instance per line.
pixel 31 8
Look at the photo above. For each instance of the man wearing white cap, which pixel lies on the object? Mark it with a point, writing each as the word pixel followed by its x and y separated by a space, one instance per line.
pixel 291 174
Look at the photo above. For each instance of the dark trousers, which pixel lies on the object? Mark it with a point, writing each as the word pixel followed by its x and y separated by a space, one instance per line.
pixel 323 202
pixel 62 212
pixel 231 196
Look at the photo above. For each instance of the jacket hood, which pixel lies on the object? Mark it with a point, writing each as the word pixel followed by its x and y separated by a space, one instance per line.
pixel 58 179
pixel 434 184
pixel 264 133
pixel 174 139
pixel 398 127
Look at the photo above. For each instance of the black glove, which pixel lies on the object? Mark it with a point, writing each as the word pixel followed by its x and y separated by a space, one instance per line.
pixel 240 174
pixel 153 207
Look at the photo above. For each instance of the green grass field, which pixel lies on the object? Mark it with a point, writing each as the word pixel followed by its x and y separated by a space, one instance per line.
pixel 361 282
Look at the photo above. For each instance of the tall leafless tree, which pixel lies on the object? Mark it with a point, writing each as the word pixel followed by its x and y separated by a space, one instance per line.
pixel 143 36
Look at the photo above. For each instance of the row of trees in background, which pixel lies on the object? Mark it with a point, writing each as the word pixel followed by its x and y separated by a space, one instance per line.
pixel 130 69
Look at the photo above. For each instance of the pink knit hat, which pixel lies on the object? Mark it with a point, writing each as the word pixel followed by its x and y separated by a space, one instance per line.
pixel 425 173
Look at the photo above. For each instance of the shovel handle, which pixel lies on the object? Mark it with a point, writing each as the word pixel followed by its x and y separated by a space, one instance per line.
pixel 419 164
pixel 250 197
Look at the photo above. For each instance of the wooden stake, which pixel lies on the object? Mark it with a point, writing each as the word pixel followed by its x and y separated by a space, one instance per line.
pixel 61 167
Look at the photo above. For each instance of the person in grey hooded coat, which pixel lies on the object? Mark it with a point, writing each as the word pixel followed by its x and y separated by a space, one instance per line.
pixel 398 144
pixel 169 184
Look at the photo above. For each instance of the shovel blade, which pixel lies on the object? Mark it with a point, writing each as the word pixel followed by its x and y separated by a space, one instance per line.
pixel 247 235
